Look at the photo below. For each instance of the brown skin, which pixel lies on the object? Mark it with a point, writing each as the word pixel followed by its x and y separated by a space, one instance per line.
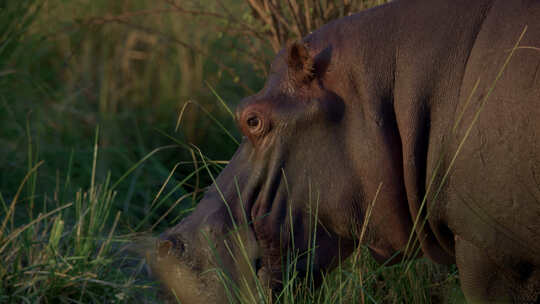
pixel 371 100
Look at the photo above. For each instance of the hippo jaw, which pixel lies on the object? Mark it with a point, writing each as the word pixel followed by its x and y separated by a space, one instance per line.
pixel 184 282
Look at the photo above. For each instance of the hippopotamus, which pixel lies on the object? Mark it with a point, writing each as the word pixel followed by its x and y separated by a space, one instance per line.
pixel 422 114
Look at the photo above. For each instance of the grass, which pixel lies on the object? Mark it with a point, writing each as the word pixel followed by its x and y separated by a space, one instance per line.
pixel 64 254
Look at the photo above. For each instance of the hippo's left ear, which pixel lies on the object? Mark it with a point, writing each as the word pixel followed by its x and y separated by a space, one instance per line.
pixel 302 67
pixel 300 63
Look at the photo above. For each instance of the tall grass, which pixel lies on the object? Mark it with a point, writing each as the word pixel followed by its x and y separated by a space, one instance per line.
pixel 63 249
pixel 68 66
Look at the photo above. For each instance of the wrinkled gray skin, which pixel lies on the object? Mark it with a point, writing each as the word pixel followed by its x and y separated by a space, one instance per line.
pixel 368 100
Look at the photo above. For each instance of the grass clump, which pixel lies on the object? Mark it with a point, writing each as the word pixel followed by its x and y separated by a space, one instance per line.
pixel 65 250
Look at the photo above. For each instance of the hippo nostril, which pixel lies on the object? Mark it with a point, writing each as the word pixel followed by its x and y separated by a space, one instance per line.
pixel 163 248
pixel 169 245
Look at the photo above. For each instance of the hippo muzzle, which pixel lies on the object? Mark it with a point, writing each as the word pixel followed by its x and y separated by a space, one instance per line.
pixel 208 257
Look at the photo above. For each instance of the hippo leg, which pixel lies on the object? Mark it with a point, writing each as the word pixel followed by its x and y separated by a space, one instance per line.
pixel 484 281
pixel 481 279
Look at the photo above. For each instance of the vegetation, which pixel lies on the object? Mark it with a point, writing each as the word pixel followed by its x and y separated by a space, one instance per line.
pixel 102 107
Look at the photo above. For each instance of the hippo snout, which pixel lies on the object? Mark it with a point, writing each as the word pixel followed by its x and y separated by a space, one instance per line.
pixel 191 257
pixel 163 248
pixel 167 245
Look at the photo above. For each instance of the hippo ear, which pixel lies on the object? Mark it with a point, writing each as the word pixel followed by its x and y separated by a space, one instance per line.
pixel 300 63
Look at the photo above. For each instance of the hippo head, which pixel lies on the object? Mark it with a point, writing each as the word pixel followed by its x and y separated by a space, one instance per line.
pixel 292 189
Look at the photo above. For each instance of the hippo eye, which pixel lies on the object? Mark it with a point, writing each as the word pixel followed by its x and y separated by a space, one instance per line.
pixel 253 122
pixel 255 125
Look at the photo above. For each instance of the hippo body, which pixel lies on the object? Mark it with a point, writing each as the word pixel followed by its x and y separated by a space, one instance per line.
pixel 428 111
